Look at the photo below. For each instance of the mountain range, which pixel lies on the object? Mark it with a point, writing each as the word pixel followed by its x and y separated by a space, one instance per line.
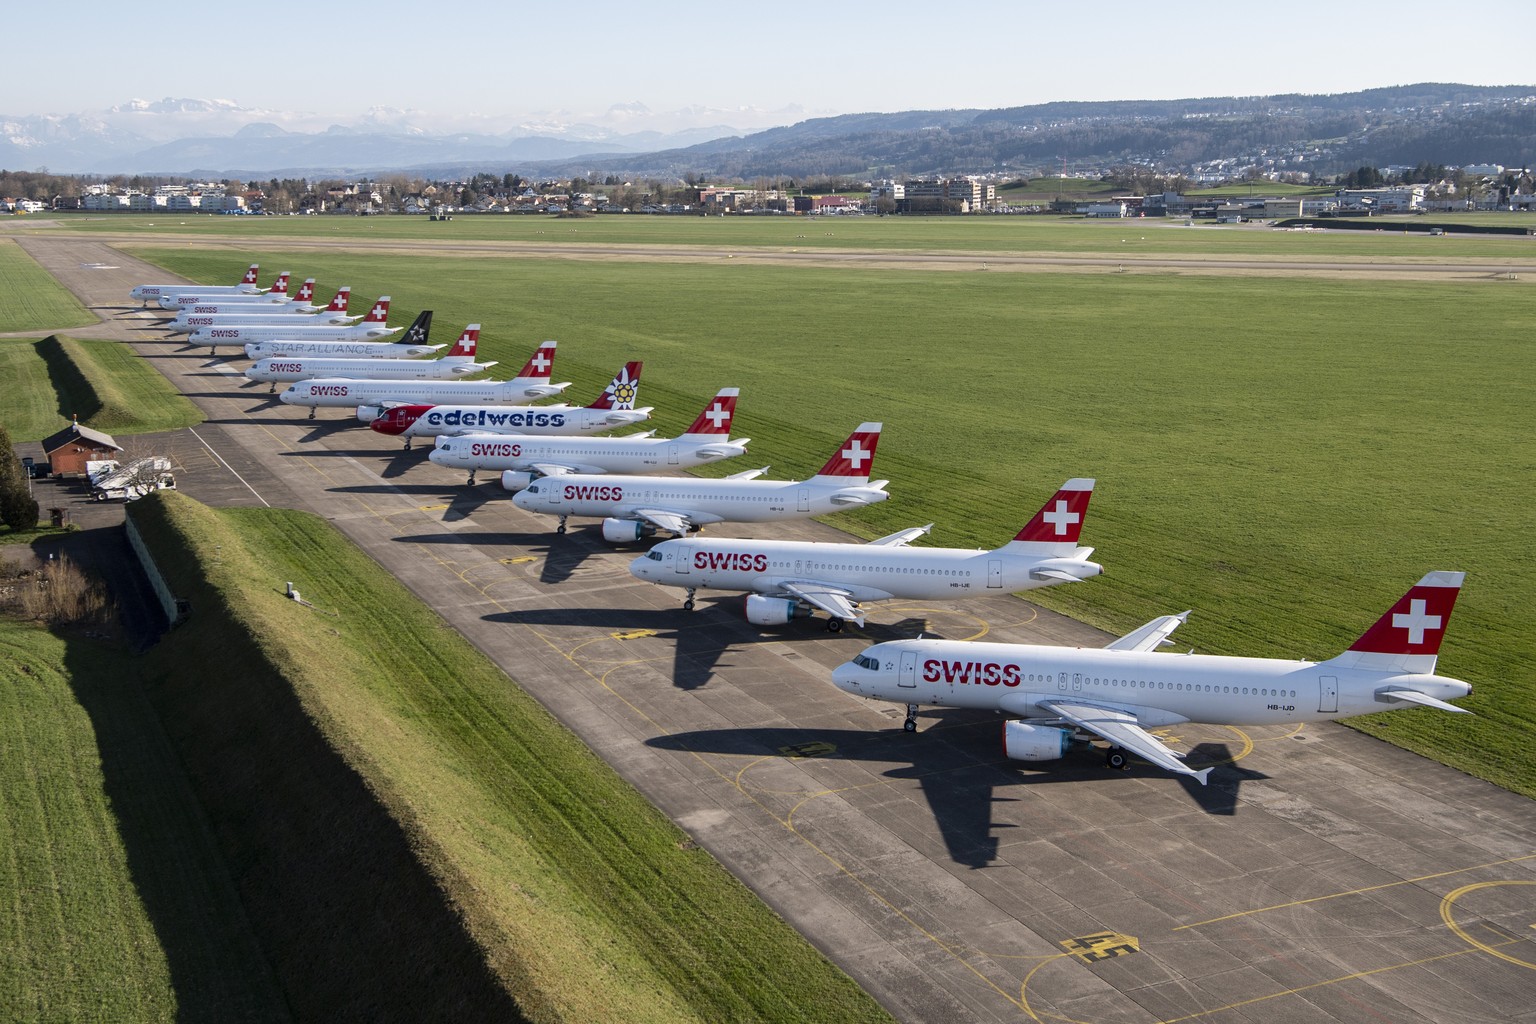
pixel 1435 123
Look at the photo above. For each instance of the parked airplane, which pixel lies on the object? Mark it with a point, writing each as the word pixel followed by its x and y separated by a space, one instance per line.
pixel 1121 691
pixel 192 296
pixel 785 578
pixel 374 325
pixel 459 362
pixel 147 293
pixel 372 397
pixel 614 407
pixel 295 314
pixel 523 458
pixel 632 507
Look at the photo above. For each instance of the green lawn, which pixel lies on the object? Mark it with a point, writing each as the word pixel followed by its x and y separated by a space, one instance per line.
pixel 1000 234
pixel 1282 455
pixel 31 299
pixel 585 900
pixel 117 906
pixel 104 383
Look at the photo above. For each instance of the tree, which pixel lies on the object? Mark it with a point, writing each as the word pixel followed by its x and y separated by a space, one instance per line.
pixel 18 509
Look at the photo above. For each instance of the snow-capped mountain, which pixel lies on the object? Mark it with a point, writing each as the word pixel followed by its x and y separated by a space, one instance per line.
pixel 221 137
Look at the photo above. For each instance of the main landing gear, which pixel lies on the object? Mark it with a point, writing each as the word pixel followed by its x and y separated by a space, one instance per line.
pixel 910 725
pixel 834 625
pixel 1117 758
pixel 688 602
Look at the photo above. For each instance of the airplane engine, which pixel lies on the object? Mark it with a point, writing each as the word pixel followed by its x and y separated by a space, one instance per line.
pixel 369 413
pixel 770 611
pixel 1025 742
pixel 515 480
pixel 625 531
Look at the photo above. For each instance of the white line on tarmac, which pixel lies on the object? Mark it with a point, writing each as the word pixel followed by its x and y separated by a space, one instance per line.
pixel 227 466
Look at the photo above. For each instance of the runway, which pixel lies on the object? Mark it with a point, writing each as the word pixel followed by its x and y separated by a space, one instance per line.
pixel 1322 876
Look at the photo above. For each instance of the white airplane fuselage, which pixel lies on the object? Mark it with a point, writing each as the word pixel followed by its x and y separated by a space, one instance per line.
pixel 701 501
pixel 509 418
pixel 186 300
pixel 155 292
pixel 186 323
pixel 285 369
pixel 336 392
pixel 525 452
pixel 869 572
pixel 339 349
pixel 1160 689
pixel 244 334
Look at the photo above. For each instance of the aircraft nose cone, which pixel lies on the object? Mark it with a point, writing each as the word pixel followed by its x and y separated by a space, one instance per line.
pixel 846 676
pixel 637 568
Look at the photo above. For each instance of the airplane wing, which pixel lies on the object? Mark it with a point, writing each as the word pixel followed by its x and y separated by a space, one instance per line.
pixel 835 601
pixel 671 522
pixel 1120 728
pixel 556 469
pixel 1415 697
pixel 901 538
pixel 1151 636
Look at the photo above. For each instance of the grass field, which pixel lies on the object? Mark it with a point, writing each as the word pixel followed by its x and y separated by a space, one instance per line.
pixel 1018 234
pixel 32 299
pixel 1282 455
pixel 105 383
pixel 116 904
pixel 586 902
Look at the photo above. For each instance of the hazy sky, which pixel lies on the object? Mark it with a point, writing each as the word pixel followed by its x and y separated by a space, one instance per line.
pixel 500 59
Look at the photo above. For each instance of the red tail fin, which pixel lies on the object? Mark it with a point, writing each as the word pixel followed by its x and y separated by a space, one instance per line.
pixel 622 392
pixel 250 274
pixel 280 286
pixel 467 343
pixel 306 290
pixel 379 314
pixel 853 459
pixel 1060 520
pixel 541 364
pixel 715 420
pixel 339 301
pixel 1416 623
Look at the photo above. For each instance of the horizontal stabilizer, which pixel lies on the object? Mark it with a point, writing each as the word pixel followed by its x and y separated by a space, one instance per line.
pixel 1415 697
pixel 1055 574
pixel 748 474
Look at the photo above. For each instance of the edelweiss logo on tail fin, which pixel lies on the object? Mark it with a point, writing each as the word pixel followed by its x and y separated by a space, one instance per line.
pixel 622 391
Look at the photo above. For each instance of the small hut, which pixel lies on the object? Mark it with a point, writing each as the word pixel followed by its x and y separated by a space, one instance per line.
pixel 71 448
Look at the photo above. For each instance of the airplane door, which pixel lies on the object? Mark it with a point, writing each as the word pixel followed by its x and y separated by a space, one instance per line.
pixel 908 675
pixel 805 499
pixel 681 563
pixel 1328 698
pixel 994 573
pixel 671 454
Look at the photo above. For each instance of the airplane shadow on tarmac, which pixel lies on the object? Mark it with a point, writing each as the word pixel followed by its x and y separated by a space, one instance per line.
pixel 958 765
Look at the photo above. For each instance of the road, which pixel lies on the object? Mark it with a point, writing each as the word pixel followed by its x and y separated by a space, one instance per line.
pixel 1322 876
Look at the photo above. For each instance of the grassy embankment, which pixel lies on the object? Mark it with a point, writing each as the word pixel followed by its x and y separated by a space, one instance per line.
pixel 104 383
pixel 1283 455
pixel 414 837
pixel 1063 235
pixel 118 906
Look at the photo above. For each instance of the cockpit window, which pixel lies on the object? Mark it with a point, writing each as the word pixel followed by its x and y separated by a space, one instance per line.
pixel 533 489
pixel 653 555
pixel 865 661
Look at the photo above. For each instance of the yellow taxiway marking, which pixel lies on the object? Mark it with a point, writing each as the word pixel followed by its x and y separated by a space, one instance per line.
pixel 1445 915
pixel 518 561
pixel 634 634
